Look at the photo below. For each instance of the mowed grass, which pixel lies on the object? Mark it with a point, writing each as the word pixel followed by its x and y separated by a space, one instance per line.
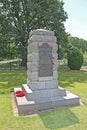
pixel 10 80
pixel 74 118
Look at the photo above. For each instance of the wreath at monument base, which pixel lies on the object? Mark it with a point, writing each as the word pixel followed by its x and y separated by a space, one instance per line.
pixel 20 93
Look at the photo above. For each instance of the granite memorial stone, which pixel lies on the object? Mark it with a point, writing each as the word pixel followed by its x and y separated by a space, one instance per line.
pixel 42 91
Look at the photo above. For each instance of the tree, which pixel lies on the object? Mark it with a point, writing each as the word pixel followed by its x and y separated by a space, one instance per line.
pixel 75 58
pixel 6 45
pixel 23 16
pixel 81 44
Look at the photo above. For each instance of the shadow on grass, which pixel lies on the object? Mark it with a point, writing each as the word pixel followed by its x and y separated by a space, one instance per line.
pixel 68 78
pixel 9 80
pixel 59 118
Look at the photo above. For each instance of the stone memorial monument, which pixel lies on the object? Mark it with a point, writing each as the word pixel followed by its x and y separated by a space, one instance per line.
pixel 42 91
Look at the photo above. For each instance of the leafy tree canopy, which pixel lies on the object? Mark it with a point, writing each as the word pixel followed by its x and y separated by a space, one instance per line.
pixel 6 46
pixel 81 44
pixel 18 18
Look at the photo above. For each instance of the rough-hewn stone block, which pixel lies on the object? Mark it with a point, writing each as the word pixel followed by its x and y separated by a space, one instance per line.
pixel 42 32
pixel 45 78
pixel 34 76
pixel 55 75
pixel 38 38
pixel 38 85
pixel 51 84
pixel 55 66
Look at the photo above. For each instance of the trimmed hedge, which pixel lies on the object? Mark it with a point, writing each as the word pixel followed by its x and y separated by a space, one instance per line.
pixel 75 59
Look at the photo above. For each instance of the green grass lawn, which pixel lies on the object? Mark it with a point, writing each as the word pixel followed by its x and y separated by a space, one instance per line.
pixel 74 118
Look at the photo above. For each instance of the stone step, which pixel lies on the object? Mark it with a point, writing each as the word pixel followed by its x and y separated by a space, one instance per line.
pixel 26 107
pixel 43 93
pixel 66 101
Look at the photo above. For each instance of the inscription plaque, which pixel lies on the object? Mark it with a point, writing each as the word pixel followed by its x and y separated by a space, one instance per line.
pixel 45 58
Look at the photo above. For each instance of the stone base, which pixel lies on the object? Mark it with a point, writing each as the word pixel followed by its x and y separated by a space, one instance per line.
pixel 32 102
pixel 41 95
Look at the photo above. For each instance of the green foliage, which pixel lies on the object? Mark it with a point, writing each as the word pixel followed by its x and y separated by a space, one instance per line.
pixel 75 59
pixel 7 48
pixel 62 45
pixel 20 17
pixel 79 43
pixel 61 53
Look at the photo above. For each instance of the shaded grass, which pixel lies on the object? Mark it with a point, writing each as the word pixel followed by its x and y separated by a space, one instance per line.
pixel 59 118
pixel 74 118
pixel 10 80
pixel 74 81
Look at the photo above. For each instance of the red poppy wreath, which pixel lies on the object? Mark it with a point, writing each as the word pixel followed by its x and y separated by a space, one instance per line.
pixel 20 93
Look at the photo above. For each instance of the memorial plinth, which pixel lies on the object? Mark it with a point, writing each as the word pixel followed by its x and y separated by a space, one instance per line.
pixel 42 91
